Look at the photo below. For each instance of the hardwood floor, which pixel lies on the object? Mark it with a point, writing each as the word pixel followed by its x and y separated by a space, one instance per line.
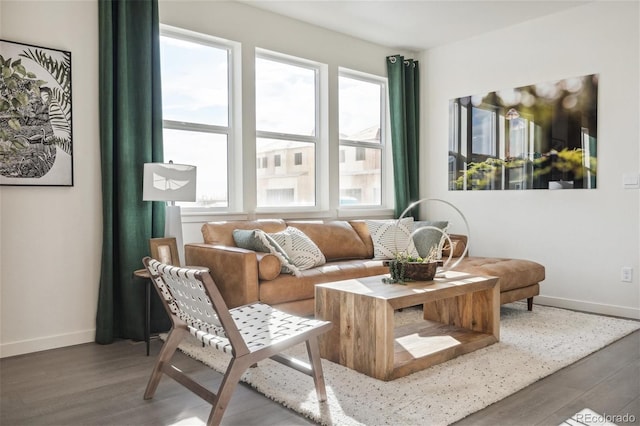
pixel 91 384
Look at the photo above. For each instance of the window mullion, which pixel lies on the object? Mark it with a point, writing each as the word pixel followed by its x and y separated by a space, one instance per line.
pixel 347 142
pixel 181 125
pixel 286 136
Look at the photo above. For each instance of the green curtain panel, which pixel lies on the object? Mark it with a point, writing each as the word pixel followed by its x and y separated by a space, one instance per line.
pixel 404 106
pixel 130 135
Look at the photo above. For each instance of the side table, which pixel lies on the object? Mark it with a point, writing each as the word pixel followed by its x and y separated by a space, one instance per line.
pixel 144 274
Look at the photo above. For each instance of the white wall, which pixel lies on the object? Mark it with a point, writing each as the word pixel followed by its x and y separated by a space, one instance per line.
pixel 583 237
pixel 50 237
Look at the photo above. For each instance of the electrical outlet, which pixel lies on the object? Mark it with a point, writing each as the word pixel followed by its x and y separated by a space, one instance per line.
pixel 626 274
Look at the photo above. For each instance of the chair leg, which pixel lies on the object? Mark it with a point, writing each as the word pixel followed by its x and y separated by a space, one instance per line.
pixel 174 338
pixel 530 303
pixel 316 364
pixel 229 382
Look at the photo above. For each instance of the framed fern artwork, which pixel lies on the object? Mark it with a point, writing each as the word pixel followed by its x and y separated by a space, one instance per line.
pixel 36 145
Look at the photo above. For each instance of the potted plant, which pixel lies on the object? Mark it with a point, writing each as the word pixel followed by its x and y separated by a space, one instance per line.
pixel 404 268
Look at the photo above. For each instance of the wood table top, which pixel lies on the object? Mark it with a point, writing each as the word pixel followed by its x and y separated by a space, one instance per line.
pixel 374 287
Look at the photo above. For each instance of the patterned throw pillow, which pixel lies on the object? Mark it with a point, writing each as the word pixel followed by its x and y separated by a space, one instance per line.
pixel 391 237
pixel 303 253
pixel 425 239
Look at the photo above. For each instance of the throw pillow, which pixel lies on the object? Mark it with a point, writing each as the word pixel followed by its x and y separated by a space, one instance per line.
pixel 425 239
pixel 303 253
pixel 391 237
pixel 247 239
pixel 258 240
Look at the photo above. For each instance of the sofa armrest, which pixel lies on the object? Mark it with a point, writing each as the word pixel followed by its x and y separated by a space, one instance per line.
pixel 233 269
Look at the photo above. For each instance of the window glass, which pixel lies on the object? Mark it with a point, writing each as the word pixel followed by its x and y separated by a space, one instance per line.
pixel 285 97
pixel 360 176
pixel 206 151
pixel 194 82
pixel 361 145
pixel 359 110
pixel 286 183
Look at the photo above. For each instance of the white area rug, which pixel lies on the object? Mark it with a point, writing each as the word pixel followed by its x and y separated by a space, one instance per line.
pixel 532 345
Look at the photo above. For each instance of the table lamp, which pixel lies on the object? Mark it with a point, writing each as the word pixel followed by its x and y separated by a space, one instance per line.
pixel 170 182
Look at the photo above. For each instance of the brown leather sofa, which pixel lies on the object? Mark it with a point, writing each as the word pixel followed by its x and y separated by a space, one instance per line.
pixel 246 276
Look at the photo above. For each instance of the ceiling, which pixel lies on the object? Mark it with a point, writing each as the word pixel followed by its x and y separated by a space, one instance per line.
pixel 413 25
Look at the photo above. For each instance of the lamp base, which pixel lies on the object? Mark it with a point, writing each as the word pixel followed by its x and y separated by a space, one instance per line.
pixel 173 228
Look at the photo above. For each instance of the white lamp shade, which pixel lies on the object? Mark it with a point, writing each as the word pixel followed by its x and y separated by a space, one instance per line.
pixel 169 182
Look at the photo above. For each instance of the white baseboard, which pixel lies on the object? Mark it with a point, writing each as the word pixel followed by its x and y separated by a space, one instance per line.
pixel 47 342
pixel 596 308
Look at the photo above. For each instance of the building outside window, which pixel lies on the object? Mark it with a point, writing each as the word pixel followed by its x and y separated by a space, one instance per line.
pixel 196 74
pixel 362 120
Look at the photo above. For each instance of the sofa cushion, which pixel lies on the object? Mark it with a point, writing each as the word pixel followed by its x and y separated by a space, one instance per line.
pixel 222 232
pixel 512 273
pixel 268 266
pixel 287 288
pixel 336 239
pixel 391 237
pixel 361 228
pixel 302 252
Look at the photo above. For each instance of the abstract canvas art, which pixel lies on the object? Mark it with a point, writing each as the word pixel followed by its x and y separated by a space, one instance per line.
pixel 541 136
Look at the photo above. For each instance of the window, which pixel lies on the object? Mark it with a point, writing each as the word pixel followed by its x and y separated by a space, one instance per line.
pixel 484 125
pixel 196 99
pixel 202 111
pixel 286 124
pixel 361 126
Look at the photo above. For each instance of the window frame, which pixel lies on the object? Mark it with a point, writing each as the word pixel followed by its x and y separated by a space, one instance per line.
pixel 232 131
pixel 318 140
pixel 386 182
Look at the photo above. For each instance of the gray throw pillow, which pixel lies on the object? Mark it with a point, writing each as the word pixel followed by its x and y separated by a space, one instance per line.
pixel 247 239
pixel 426 239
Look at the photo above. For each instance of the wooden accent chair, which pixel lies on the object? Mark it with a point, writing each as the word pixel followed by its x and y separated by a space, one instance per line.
pixel 249 333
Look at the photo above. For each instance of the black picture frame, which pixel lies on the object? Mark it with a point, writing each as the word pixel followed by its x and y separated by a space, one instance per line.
pixel 36 127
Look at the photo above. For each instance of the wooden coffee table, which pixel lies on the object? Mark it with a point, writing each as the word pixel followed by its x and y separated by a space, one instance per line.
pixel 461 314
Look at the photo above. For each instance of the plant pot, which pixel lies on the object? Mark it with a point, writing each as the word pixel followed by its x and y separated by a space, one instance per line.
pixel 412 271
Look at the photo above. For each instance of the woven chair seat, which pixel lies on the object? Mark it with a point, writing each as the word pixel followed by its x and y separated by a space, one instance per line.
pixel 260 325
